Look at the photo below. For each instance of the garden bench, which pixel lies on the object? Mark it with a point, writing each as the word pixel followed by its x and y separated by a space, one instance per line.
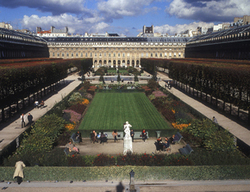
pixel 73 138
pixel 186 150
pixel 137 135
pixel 66 151
pixel 110 136
pixel 177 137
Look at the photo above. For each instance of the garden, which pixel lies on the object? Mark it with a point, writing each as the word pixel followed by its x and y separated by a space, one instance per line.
pixel 215 155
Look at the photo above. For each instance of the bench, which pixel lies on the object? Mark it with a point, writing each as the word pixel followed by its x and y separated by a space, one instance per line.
pixel 186 150
pixel 137 135
pixel 110 136
pixel 177 137
pixel 73 138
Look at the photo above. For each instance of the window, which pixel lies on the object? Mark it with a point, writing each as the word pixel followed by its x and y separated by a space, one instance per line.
pixel 86 54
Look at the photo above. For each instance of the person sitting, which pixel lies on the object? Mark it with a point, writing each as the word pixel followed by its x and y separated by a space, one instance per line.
pixel 71 149
pixel 41 104
pixel 171 140
pixel 78 136
pixel 103 138
pixel 144 135
pixel 94 136
pixel 36 104
pixel 158 144
pixel 166 144
pixel 115 134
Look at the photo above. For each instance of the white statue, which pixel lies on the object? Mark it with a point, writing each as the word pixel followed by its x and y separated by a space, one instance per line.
pixel 127 145
pixel 127 129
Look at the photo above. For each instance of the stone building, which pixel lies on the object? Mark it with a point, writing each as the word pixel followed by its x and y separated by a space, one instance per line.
pixel 113 51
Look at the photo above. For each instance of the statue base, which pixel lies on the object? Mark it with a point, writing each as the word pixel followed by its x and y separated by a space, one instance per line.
pixel 127 145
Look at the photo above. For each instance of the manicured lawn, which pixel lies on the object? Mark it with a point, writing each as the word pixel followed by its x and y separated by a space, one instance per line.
pixel 124 71
pixel 108 111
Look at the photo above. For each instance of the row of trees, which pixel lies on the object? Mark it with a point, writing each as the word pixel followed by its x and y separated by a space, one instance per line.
pixel 21 79
pixel 229 82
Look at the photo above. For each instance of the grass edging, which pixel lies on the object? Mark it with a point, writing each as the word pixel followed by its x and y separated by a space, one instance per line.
pixel 142 173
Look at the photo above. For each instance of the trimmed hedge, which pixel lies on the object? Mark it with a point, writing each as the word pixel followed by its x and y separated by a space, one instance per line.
pixel 37 173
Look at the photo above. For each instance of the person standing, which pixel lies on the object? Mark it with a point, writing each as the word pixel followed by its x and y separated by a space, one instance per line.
pixel 115 134
pixel 19 172
pixel 30 119
pixel 23 117
pixel 132 134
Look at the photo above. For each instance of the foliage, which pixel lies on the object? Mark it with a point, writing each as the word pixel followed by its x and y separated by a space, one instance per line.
pixel 40 140
pixel 136 78
pixel 118 77
pixel 75 97
pixel 79 107
pixel 75 160
pixel 74 116
pixel 209 135
pixel 180 126
pixel 152 84
pixel 154 173
pixel 21 79
pixel 70 126
pixel 182 117
pixel 86 85
pixel 104 160
pixel 101 78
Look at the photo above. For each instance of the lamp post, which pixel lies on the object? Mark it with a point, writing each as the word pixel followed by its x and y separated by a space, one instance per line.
pixel 132 182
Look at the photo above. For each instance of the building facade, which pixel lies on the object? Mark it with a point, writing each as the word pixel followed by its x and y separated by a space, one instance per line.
pixel 116 51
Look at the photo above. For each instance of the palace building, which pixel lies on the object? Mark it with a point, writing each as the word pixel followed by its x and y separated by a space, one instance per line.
pixel 116 51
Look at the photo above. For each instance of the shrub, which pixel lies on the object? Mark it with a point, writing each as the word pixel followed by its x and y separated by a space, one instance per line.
pixel 104 160
pixel 75 97
pixel 74 116
pixel 152 84
pixel 182 117
pixel 159 94
pixel 210 136
pixel 79 107
pixel 168 114
pixel 75 160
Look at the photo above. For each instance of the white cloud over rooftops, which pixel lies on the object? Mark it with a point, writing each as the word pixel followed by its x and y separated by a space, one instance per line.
pixel 208 10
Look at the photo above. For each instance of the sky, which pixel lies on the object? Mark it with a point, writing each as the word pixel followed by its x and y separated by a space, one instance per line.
pixel 125 17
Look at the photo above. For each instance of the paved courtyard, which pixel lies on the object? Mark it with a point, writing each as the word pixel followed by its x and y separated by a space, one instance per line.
pixel 115 148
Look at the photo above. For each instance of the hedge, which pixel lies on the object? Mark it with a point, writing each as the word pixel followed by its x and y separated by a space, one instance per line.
pixel 37 173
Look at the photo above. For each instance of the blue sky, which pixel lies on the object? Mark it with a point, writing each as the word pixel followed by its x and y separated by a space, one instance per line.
pixel 122 16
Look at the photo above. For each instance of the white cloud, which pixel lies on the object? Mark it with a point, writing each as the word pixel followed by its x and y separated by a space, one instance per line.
pixel 120 8
pixel 74 24
pixel 212 10
pixel 171 30
pixel 56 7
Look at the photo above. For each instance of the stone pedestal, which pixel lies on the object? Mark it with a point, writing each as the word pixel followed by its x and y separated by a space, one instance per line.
pixel 127 145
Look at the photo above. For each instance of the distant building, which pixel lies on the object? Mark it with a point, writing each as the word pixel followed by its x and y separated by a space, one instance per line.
pixel 239 21
pixel 53 32
pixel 6 25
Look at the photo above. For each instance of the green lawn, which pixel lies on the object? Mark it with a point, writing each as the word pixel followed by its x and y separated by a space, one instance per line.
pixel 124 71
pixel 108 111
